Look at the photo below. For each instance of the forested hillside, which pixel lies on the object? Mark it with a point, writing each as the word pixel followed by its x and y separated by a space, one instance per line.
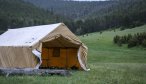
pixel 81 17
pixel 17 13
pixel 99 15
pixel 72 9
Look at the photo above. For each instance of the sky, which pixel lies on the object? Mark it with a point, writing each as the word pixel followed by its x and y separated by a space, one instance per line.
pixel 89 0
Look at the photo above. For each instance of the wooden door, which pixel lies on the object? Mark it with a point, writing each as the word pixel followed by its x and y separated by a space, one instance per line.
pixel 72 58
pixel 60 58
pixel 45 57
pixel 53 57
pixel 57 58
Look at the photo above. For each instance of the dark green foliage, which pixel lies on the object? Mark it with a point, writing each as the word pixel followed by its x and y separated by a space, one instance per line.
pixel 122 28
pixel 128 37
pixel 144 43
pixel 119 43
pixel 72 9
pixel 17 13
pixel 116 39
pixel 96 16
pixel 132 40
pixel 100 32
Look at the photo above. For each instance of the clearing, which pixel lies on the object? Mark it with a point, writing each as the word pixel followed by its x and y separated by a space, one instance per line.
pixel 109 63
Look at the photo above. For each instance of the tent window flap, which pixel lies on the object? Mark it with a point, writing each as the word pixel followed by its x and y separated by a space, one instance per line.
pixel 56 52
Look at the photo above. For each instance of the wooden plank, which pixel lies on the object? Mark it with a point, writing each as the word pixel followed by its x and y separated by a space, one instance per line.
pixel 45 57
pixel 41 72
pixel 45 53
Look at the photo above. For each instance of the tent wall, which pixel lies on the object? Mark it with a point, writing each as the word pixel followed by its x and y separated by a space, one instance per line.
pixel 18 57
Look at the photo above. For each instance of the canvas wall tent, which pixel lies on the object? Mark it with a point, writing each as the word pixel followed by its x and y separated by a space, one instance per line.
pixel 42 46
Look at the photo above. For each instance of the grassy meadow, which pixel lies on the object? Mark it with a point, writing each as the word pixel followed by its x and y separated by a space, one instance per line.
pixel 109 63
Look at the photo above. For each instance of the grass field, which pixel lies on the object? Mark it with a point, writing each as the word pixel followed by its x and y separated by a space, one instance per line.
pixel 109 64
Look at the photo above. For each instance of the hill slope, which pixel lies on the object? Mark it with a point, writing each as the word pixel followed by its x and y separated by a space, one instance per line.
pixel 101 46
pixel 99 15
pixel 17 13
pixel 72 9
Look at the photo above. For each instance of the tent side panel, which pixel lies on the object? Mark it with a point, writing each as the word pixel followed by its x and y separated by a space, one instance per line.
pixel 17 57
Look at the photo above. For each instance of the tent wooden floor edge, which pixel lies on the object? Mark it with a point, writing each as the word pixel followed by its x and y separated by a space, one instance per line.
pixel 31 72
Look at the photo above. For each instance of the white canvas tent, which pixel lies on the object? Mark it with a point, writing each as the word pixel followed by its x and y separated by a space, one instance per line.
pixel 23 47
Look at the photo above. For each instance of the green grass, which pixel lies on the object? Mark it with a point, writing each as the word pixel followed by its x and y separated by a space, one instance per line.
pixel 109 63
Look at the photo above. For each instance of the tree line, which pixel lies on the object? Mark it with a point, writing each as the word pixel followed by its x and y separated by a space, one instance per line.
pixel 138 39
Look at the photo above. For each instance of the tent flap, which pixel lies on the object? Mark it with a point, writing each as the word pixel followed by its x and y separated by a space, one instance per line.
pixel 38 55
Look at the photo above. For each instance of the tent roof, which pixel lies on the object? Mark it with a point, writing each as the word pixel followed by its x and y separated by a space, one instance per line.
pixel 26 36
